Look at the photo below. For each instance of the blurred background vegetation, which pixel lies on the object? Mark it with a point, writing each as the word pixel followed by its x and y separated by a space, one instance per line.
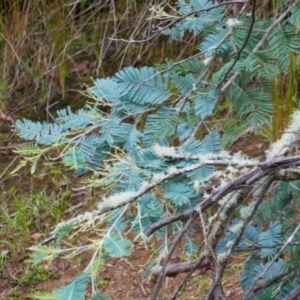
pixel 50 49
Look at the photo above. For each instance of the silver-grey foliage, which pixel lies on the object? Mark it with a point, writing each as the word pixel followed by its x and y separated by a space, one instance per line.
pixel 145 152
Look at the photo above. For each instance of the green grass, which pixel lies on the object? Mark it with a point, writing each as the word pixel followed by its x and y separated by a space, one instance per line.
pixel 27 210
pixel 34 276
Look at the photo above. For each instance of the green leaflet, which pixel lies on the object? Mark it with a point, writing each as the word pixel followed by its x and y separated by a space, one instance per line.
pixel 70 120
pixel 27 149
pixel 117 246
pixel 208 46
pixel 210 144
pixel 74 290
pixel 285 290
pixel 196 23
pixel 141 87
pixel 264 65
pixel 272 236
pixel 159 127
pixel 204 105
pixel 190 247
pixel 253 105
pixel 107 89
pixel 75 158
pixel 63 231
pixel 43 133
pixel 149 210
pixel 184 83
pixel 295 17
pixel 179 193
pixel 100 296
pixel 116 221
pixel 282 41
pixel 250 271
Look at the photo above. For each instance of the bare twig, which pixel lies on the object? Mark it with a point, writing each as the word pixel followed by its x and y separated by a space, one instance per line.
pixel 176 241
pixel 174 269
pixel 221 267
pixel 183 282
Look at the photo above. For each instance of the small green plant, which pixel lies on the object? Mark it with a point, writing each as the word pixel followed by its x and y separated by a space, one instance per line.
pixel 19 213
pixel 35 276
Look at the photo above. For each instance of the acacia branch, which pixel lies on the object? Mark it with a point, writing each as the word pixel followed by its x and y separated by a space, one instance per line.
pixel 293 295
pixel 278 254
pixel 279 167
pixel 221 267
pixel 215 240
pixel 261 286
pixel 184 98
pixel 260 43
pixel 244 44
pixel 178 19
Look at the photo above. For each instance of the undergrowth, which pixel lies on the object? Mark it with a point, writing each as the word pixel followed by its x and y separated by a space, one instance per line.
pixel 49 51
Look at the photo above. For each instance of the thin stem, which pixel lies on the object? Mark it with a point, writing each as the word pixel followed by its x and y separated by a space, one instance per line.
pixel 180 19
pixel 259 44
pixel 176 241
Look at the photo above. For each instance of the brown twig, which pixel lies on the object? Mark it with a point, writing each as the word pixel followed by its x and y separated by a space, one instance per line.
pixel 174 269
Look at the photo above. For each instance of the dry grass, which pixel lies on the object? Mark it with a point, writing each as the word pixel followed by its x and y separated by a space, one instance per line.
pixel 50 49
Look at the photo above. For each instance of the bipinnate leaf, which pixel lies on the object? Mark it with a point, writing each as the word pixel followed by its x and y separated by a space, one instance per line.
pixel 116 246
pixel 100 296
pixel 74 290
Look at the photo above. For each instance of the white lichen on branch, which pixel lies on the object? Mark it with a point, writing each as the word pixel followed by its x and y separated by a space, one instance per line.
pixel 287 139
